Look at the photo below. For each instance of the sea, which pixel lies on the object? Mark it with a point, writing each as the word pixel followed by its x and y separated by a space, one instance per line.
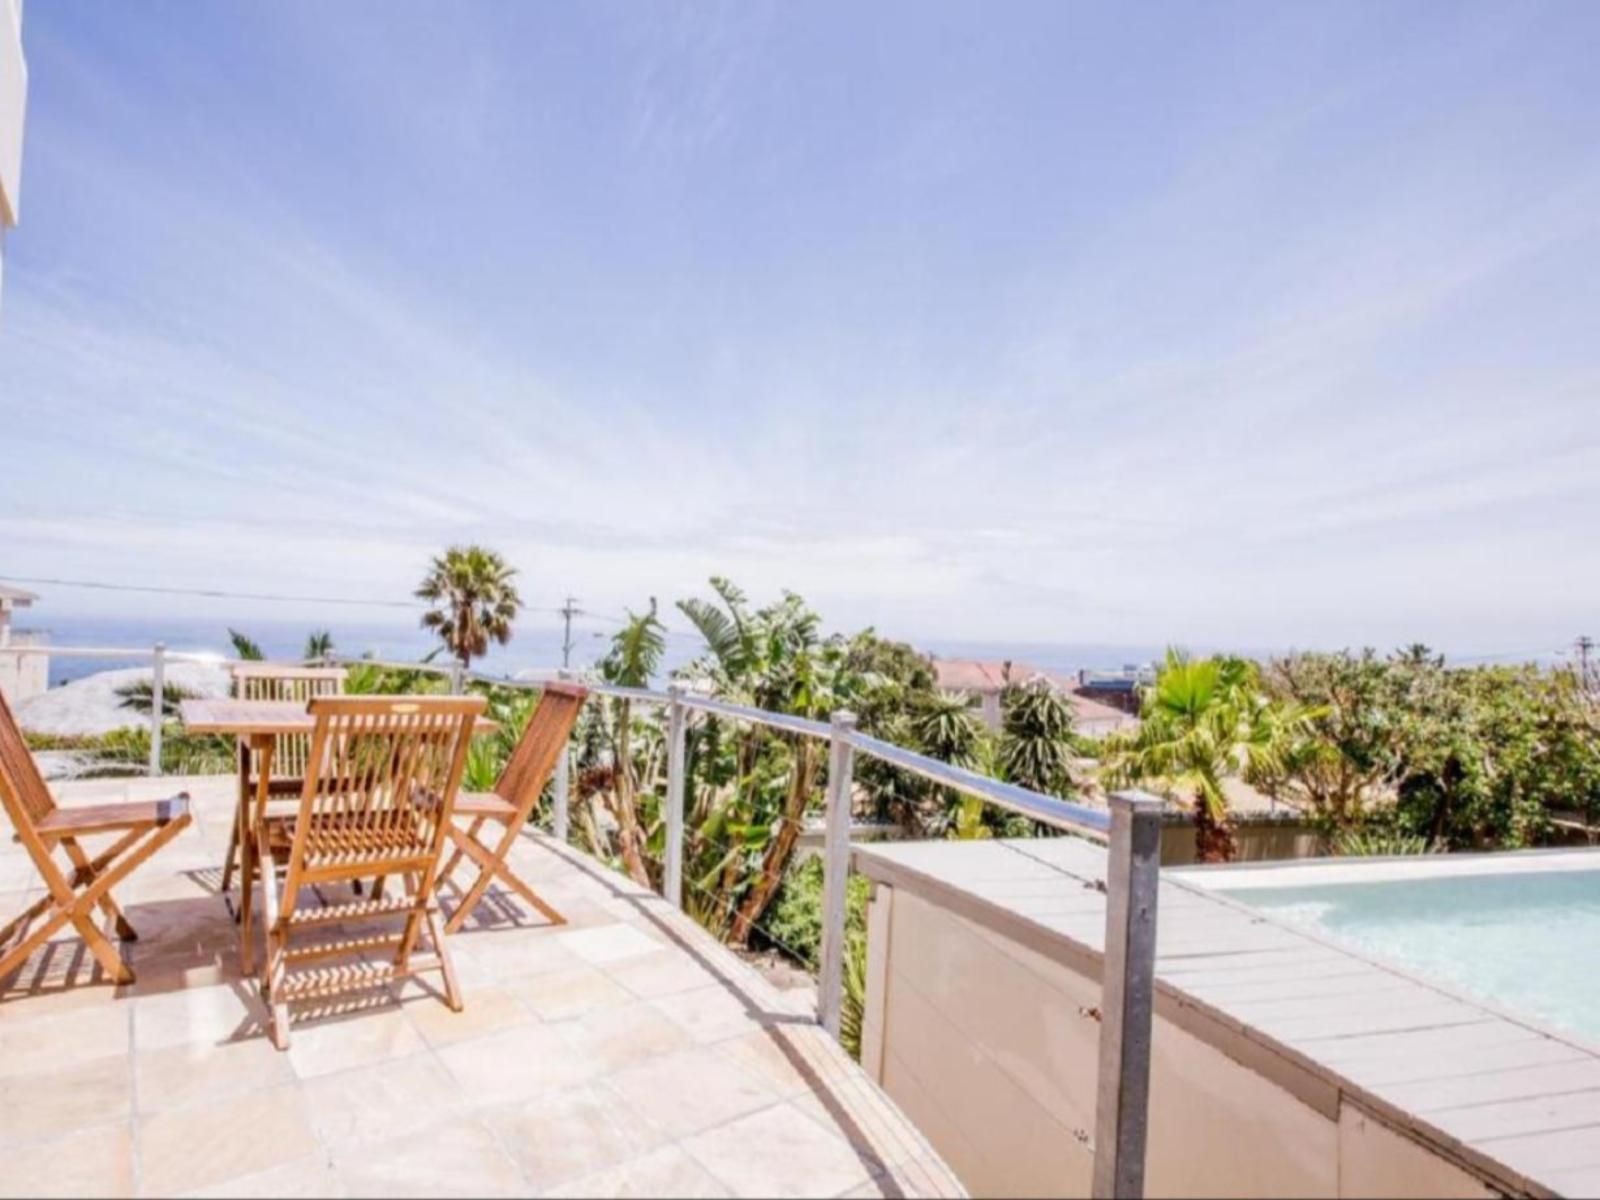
pixel 531 646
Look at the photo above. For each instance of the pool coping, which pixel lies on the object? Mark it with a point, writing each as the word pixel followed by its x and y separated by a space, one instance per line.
pixel 1322 1085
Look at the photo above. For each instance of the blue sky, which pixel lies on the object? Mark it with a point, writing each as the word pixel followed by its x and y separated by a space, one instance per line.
pixel 1255 324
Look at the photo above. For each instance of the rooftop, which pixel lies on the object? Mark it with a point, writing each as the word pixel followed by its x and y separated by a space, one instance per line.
pixel 624 1052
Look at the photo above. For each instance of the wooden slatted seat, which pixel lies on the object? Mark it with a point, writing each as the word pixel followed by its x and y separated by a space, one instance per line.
pixel 371 757
pixel 258 680
pixel 512 802
pixel 73 894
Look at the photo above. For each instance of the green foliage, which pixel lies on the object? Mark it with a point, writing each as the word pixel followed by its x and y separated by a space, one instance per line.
pixel 794 927
pixel 319 644
pixel 1376 842
pixel 474 598
pixel 1036 745
pixel 1202 721
pixel 139 696
pixel 244 647
pixel 1473 758
pixel 127 751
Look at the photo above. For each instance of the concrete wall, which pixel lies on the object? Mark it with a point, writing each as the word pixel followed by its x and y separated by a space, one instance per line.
pixel 989 1047
pixel 22 675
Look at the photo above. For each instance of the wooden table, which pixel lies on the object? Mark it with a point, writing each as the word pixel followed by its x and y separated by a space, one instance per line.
pixel 257 724
pixel 261 720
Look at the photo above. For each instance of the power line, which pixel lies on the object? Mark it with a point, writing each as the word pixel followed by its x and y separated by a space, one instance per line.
pixel 214 593
pixel 221 594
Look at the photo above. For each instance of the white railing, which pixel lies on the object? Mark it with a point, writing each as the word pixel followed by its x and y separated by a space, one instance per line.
pixel 1130 829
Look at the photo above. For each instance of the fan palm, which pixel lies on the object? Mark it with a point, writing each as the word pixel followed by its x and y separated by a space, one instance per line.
pixel 475 600
pixel 1202 721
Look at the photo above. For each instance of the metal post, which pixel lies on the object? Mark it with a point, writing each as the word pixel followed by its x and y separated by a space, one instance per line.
pixel 677 728
pixel 835 872
pixel 559 825
pixel 1127 995
pixel 158 704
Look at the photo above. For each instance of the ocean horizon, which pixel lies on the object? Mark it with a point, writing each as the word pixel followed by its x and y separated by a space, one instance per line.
pixel 530 647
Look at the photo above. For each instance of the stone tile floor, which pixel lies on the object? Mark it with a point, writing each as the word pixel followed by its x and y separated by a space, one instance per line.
pixel 624 1053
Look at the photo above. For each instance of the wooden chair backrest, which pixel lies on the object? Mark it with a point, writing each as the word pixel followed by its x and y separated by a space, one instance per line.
pixel 27 799
pixel 282 681
pixel 540 746
pixel 386 772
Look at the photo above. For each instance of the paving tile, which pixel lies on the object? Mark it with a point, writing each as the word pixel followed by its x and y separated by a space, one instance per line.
pixel 666 1173
pixel 558 1136
pixel 496 955
pixel 359 1039
pixel 661 973
pixel 516 1064
pixel 618 1038
pixel 608 944
pixel 458 1158
pixel 487 1010
pixel 382 1102
pixel 92 1162
pixel 51 1103
pixel 796 1157
pixel 570 993
pixel 213 1141
pixel 310 1178
pixel 791 1059
pixel 221 1013
pixel 170 1076
pixel 712 1014
pixel 689 1091
pixel 62 1039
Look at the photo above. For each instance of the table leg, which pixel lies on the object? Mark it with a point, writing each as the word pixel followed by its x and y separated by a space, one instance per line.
pixel 240 822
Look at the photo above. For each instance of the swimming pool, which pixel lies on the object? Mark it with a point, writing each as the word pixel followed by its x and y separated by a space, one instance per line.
pixel 1519 931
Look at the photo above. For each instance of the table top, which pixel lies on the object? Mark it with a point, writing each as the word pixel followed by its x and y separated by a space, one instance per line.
pixel 246 718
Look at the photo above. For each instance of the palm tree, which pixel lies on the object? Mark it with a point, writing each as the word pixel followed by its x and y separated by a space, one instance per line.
pixel 1036 739
pixel 1201 722
pixel 475 600
pixel 319 644
pixel 634 657
pixel 246 648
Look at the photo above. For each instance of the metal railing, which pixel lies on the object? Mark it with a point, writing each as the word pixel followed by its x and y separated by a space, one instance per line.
pixel 1130 828
pixel 158 655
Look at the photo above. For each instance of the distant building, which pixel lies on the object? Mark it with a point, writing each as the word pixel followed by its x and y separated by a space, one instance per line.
pixel 13 107
pixel 985 681
pixel 21 675
pixel 1117 689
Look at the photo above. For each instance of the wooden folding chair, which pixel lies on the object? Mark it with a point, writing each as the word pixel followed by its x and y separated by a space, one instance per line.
pixel 276 681
pixel 142 827
pixel 379 791
pixel 512 802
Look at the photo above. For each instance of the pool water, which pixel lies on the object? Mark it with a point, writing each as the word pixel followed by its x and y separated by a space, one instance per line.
pixel 1526 942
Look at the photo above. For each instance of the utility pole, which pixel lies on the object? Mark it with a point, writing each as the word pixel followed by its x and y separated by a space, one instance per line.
pixel 568 611
pixel 1588 676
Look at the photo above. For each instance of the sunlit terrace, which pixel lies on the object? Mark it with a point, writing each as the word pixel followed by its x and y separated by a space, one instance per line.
pixel 621 1052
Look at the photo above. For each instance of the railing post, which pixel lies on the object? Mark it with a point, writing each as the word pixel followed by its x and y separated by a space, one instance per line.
pixel 559 820
pixel 677 729
pixel 1127 995
pixel 835 873
pixel 158 703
